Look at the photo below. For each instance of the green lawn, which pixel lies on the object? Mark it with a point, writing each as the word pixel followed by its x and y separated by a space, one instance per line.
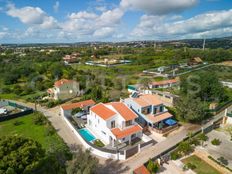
pixel 201 166
pixel 28 129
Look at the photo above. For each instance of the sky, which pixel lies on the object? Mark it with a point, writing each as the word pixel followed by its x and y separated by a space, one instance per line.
pixel 56 21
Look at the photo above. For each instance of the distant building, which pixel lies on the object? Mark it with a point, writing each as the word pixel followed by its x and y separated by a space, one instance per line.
pixel 73 58
pixel 163 84
pixel 64 89
pixel 195 61
pixel 113 123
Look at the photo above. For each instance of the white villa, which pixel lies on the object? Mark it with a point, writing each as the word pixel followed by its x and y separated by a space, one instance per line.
pixel 113 123
pixel 64 89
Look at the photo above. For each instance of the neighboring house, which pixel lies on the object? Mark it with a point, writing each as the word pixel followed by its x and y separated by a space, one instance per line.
pixel 113 123
pixel 227 119
pixel 167 98
pixel 66 109
pixel 163 84
pixel 73 58
pixel 141 170
pixel 195 61
pixel 151 111
pixel 64 89
pixel 226 84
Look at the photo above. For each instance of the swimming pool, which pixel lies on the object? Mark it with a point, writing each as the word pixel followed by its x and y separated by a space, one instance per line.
pixel 86 134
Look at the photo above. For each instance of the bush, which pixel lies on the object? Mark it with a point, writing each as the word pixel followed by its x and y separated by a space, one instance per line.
pixel 175 155
pixel 17 123
pixel 190 166
pixel 216 142
pixel 153 167
pixel 39 119
pixel 98 143
pixel 185 147
pixel 49 130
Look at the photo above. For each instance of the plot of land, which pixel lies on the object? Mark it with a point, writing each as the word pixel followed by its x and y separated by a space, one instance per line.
pixel 201 166
pixel 226 63
pixel 27 128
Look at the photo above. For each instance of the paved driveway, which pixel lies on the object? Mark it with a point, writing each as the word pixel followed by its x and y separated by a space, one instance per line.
pixel 223 150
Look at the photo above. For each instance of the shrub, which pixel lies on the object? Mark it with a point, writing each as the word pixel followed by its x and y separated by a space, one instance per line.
pixel 49 130
pixel 216 142
pixel 190 166
pixel 39 119
pixel 175 155
pixel 17 123
pixel 98 143
pixel 185 147
pixel 152 167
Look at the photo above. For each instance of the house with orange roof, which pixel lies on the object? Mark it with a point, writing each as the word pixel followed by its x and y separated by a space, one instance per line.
pixel 151 112
pixel 66 109
pixel 113 123
pixel 64 89
pixel 164 84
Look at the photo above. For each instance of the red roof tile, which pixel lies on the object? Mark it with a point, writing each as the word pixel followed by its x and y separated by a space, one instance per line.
pixel 123 133
pixel 77 105
pixel 61 82
pixel 141 170
pixel 147 100
pixel 160 117
pixel 123 110
pixel 102 111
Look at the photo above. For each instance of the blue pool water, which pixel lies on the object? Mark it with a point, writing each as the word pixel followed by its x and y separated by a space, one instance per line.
pixel 86 135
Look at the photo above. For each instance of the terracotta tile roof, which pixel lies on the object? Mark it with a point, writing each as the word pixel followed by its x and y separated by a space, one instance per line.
pixel 102 111
pixel 141 170
pixel 61 82
pixel 78 105
pixel 50 90
pixel 160 117
pixel 123 133
pixel 147 100
pixel 165 82
pixel 123 110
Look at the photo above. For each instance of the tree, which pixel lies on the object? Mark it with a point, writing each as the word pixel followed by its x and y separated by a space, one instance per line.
pixel 203 85
pixel 145 82
pixel 152 167
pixel 82 163
pixel 20 155
pixel 190 109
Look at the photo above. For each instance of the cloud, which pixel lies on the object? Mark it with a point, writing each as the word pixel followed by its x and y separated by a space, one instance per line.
pixel 92 24
pixel 32 16
pixel 103 32
pixel 158 7
pixel 56 6
pixel 207 23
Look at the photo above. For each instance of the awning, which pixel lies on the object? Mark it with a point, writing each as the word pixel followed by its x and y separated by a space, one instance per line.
pixel 170 122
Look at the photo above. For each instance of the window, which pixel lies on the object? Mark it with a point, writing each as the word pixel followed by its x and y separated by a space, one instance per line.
pixel 161 108
pixel 112 124
pixel 128 123
pixel 155 110
pixel 98 121
pixel 133 136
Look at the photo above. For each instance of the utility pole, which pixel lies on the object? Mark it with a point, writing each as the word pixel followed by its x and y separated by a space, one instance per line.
pixel 203 47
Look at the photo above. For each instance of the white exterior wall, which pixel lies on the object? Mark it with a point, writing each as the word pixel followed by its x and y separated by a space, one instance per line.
pixel 229 120
pixel 93 150
pixel 98 126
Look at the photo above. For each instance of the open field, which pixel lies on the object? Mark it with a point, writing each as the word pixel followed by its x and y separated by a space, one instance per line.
pixel 201 166
pixel 27 128
pixel 226 63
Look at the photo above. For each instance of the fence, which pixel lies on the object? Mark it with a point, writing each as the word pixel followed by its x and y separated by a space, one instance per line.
pixel 24 110
pixel 109 153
